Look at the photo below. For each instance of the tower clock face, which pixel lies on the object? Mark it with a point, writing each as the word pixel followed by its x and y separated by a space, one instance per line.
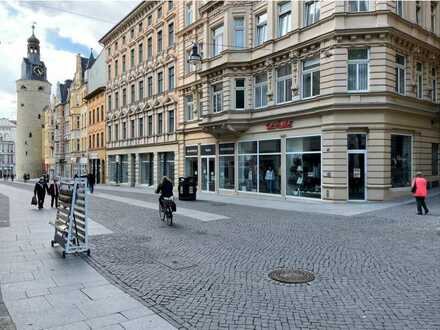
pixel 38 70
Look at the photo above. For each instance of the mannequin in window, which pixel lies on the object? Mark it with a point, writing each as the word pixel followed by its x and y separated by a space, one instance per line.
pixel 269 178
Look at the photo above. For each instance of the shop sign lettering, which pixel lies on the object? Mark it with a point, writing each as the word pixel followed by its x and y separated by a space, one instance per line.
pixel 282 124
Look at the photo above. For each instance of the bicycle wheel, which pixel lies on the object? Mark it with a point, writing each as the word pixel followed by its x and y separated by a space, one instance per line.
pixel 161 213
pixel 169 216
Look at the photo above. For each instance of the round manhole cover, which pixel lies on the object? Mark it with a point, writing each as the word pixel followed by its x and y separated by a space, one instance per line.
pixel 291 276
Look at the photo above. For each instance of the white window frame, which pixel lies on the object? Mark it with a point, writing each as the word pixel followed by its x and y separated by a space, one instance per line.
pixel 358 6
pixel 189 107
pixel 419 12
pixel 217 98
pixel 399 7
pixel 419 81
pixel 260 29
pixel 188 13
pixel 284 13
pixel 239 30
pixel 434 17
pixel 357 62
pixel 400 68
pixel 261 87
pixel 315 6
pixel 315 68
pixel 217 39
pixel 243 89
pixel 284 80
pixel 189 68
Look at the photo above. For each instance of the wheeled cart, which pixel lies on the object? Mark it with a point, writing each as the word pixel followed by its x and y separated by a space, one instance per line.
pixel 71 223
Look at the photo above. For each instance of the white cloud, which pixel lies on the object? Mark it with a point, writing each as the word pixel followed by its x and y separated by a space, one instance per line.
pixel 15 28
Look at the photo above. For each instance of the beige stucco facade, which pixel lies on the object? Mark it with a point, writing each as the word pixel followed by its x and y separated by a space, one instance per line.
pixel 397 121
pixel 140 96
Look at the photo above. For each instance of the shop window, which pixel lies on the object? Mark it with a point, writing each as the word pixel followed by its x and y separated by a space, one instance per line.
pixel 419 80
pixel 435 159
pixel 239 94
pixel 112 169
pixel 284 18
pixel 303 166
pixel 357 6
pixel 400 161
pixel 261 90
pixel 191 161
pixel 261 29
pixel 146 163
pixel 400 74
pixel 227 166
pixel 311 12
pixel 124 168
pixel 358 69
pixel 284 83
pixel 166 165
pixel 311 78
pixel 259 165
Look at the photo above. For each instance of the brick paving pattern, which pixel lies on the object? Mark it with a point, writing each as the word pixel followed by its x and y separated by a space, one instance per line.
pixel 373 271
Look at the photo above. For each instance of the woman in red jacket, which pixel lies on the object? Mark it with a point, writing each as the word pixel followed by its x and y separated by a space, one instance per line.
pixel 420 191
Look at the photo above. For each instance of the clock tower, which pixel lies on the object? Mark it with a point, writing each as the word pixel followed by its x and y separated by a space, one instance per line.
pixel 33 95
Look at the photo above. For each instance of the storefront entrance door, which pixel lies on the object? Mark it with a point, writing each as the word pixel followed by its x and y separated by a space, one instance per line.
pixel 208 173
pixel 356 176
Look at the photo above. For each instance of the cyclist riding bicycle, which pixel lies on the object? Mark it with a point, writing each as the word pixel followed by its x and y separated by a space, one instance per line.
pixel 165 189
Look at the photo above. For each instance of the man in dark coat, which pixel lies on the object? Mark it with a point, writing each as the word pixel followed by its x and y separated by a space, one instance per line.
pixel 54 191
pixel 40 192
pixel 91 181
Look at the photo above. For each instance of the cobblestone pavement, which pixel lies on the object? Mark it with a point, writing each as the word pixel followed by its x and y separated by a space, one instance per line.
pixel 373 271
pixel 5 319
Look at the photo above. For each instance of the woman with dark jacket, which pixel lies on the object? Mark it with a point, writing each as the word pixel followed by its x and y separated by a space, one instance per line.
pixel 40 192
pixel 54 192
pixel 165 189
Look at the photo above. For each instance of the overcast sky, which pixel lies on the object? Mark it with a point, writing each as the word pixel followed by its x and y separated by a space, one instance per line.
pixel 64 29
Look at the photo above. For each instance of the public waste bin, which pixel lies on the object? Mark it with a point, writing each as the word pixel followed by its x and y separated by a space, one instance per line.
pixel 187 188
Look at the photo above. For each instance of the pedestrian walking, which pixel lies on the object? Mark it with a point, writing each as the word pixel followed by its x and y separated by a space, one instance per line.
pixel 12 177
pixel 420 191
pixel 54 191
pixel 40 190
pixel 91 182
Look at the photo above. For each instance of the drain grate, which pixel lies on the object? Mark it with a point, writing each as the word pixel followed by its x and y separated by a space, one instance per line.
pixel 292 276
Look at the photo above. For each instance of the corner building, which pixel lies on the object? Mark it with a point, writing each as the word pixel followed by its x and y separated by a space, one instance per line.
pixel 140 94
pixel 333 100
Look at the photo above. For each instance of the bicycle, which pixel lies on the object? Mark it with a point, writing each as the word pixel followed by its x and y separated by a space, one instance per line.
pixel 166 210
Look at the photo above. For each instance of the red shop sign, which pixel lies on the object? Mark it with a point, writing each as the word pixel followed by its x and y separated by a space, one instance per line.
pixel 279 124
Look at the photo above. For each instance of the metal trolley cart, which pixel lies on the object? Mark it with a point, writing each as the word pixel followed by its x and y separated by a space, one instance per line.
pixel 71 223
